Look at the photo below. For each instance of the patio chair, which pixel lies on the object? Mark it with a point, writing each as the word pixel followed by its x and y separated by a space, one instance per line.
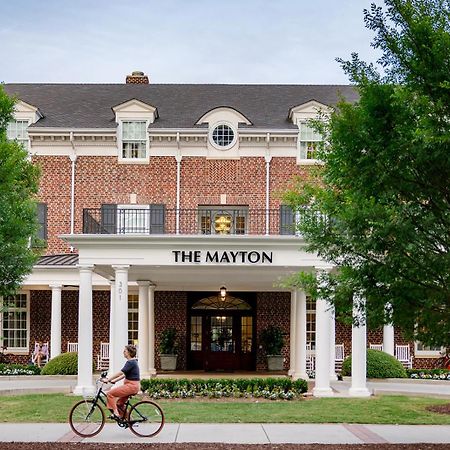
pixel 103 356
pixel 72 347
pixel 378 347
pixel 402 353
pixel 339 357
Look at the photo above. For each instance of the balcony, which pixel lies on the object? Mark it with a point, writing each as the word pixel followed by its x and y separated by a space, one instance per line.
pixel 156 219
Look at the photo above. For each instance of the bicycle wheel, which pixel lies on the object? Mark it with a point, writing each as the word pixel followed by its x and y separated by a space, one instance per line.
pixel 86 418
pixel 146 419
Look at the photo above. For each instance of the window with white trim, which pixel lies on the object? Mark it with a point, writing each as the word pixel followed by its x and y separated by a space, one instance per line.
pixel 222 136
pixel 309 141
pixel 17 130
pixel 134 139
pixel 426 350
pixel 311 322
pixel 14 322
pixel 133 219
pixel 133 318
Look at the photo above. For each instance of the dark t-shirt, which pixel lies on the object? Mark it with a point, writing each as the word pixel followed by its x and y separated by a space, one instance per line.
pixel 131 370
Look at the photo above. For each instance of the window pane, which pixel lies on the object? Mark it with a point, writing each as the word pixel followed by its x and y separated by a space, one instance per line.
pixel 196 333
pixel 14 321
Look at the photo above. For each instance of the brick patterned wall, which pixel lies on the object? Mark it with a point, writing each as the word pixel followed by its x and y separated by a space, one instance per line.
pixel 273 308
pixel 203 181
pixel 54 190
pixel 100 179
pixel 171 312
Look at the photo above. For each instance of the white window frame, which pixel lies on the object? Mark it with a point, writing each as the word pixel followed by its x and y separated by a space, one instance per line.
pixel 426 353
pixel 223 147
pixel 122 219
pixel 122 141
pixel 131 329
pixel 18 350
pixel 310 333
pixel 316 139
pixel 24 141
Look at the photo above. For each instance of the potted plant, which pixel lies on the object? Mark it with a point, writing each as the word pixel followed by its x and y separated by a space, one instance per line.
pixel 272 341
pixel 168 349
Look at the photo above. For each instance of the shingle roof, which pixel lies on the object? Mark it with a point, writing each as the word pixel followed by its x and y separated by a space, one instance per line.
pixel 179 105
pixel 58 260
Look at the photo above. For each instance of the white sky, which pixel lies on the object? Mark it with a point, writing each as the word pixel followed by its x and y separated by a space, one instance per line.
pixel 181 41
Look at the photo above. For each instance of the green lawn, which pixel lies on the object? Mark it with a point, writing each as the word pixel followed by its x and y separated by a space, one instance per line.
pixel 383 409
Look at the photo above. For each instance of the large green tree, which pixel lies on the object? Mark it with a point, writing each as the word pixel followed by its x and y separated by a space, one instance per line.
pixel 18 221
pixel 379 207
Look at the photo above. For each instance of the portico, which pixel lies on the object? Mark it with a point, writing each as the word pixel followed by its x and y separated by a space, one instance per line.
pixel 194 264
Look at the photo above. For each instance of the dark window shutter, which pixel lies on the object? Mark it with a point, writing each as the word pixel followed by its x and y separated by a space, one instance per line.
pixel 109 219
pixel 42 221
pixel 157 219
pixel 287 220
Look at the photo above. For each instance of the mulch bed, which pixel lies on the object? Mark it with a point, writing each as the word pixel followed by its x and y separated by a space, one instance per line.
pixel 194 446
pixel 441 409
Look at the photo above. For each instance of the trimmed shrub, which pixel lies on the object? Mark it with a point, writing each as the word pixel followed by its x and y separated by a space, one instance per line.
pixel 271 388
pixel 63 364
pixel 19 369
pixel 379 365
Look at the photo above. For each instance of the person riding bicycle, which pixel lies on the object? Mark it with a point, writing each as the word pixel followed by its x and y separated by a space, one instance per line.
pixel 117 396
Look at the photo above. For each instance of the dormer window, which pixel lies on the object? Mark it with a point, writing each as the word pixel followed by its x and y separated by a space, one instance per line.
pixel 17 130
pixel 134 139
pixel 308 142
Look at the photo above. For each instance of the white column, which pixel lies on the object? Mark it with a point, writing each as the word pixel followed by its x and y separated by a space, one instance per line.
pixel 300 337
pixel 55 326
pixel 151 331
pixel 84 380
pixel 121 318
pixel 112 315
pixel 143 327
pixel 331 313
pixel 292 334
pixel 388 339
pixel 388 333
pixel 322 383
pixel 359 354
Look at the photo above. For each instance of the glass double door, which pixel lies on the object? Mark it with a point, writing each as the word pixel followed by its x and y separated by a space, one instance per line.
pixel 222 342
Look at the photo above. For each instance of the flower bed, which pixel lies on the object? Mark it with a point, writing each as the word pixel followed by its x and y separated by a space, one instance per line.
pixel 18 369
pixel 429 374
pixel 269 388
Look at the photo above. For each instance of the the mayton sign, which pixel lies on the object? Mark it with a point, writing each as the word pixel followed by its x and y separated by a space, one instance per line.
pixel 222 257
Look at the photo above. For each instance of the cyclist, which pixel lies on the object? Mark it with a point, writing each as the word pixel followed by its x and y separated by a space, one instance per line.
pixel 117 396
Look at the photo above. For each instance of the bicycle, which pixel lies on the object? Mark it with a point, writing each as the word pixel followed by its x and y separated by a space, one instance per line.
pixel 87 418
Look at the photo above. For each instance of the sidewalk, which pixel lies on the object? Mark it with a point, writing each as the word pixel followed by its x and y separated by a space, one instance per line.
pixel 240 434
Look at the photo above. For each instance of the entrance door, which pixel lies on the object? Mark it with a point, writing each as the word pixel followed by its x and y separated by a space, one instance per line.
pixel 221 336
pixel 221 339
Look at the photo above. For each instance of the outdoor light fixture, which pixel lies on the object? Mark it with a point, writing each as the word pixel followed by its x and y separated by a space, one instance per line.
pixel 223 292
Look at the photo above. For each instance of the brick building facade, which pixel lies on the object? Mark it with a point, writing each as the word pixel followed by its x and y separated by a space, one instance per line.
pixel 165 192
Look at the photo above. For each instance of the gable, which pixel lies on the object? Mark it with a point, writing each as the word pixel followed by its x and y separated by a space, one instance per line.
pixel 309 110
pixel 223 113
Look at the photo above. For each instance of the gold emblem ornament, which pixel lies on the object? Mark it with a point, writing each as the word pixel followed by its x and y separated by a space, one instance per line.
pixel 222 224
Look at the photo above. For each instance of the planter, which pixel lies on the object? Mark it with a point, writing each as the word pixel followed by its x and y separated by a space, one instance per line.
pixel 275 362
pixel 168 362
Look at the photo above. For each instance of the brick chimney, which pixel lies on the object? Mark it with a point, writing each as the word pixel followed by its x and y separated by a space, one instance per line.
pixel 137 77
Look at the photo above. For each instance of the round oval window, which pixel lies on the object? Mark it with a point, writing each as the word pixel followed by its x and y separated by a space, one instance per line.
pixel 223 136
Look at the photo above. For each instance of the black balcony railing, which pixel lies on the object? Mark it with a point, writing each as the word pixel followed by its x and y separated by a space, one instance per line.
pixel 156 219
